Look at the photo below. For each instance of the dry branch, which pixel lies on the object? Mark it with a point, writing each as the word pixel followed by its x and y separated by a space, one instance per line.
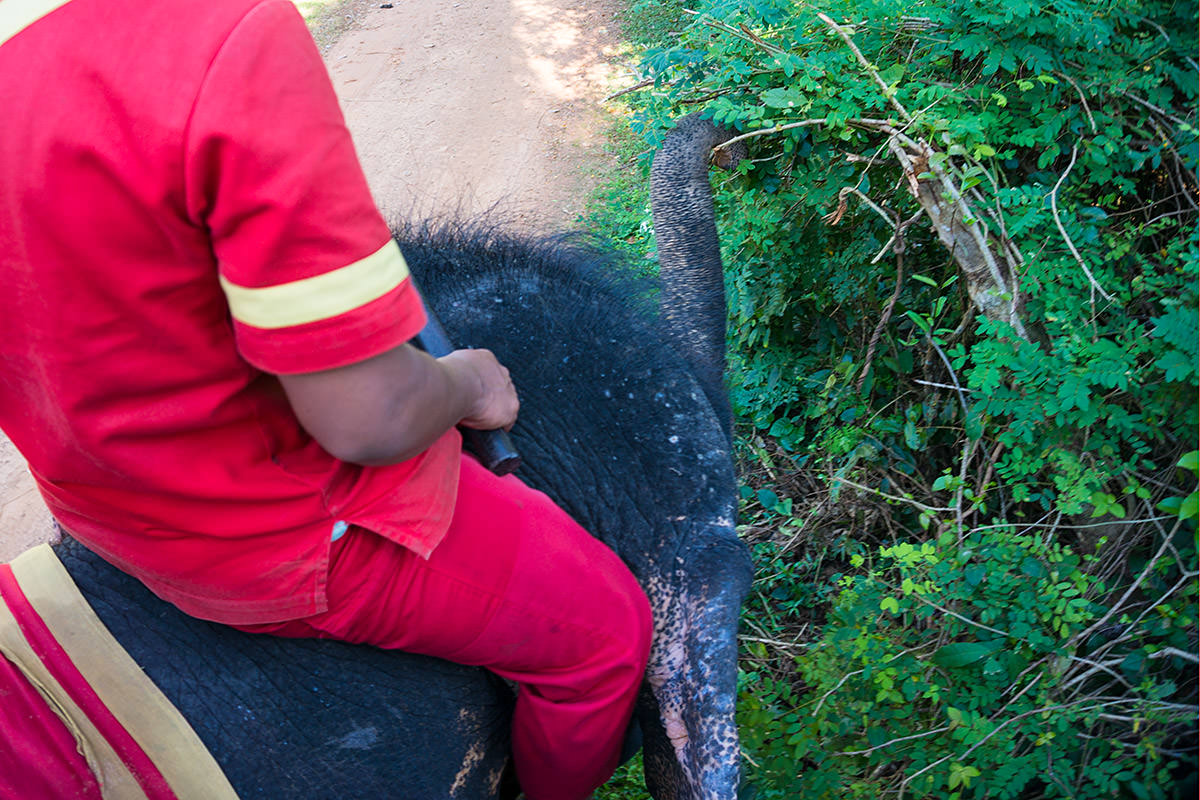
pixel 991 282
pixel 987 260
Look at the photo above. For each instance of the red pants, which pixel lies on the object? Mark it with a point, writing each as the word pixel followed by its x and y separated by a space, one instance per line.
pixel 517 587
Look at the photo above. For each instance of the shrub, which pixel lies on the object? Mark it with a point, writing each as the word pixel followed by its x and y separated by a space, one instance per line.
pixel 962 270
pixel 996 666
pixel 1064 136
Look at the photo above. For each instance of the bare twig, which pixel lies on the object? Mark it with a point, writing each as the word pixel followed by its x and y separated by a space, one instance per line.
pixel 886 496
pixel 1191 61
pixel 834 217
pixel 934 384
pixel 887 315
pixel 1020 694
pixel 967 620
pixel 634 88
pixel 1176 652
pixel 913 24
pixel 1184 578
pixel 773 642
pixel 1082 98
pixel 825 696
pixel 962 396
pixel 1071 527
pixel 864 122
pixel 888 92
pixel 890 742
pixel 741 33
pixel 1120 604
pixel 1151 106
pixel 850 675
pixel 1180 164
pixel 1078 258
pixel 896 240
pixel 1096 666
pixel 968 446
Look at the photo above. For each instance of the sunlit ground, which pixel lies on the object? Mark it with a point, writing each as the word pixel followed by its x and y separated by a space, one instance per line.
pixel 310 7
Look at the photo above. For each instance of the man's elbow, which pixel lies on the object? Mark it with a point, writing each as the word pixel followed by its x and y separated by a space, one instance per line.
pixel 367 450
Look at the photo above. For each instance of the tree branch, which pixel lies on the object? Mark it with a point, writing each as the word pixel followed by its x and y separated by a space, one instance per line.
pixel 1071 245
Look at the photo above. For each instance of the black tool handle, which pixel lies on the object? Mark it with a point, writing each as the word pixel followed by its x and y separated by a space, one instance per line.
pixel 494 449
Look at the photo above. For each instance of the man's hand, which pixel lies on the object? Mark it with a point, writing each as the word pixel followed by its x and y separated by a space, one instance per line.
pixel 392 407
pixel 496 397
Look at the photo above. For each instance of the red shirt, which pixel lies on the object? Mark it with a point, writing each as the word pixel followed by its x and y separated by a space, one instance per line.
pixel 182 214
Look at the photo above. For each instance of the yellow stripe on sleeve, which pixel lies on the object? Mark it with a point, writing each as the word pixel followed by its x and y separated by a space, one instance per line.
pixel 17 15
pixel 321 296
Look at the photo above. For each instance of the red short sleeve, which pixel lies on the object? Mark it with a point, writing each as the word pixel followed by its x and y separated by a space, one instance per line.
pixel 306 261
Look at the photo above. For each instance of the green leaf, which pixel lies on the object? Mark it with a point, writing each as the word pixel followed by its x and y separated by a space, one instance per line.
pixel 768 499
pixel 960 654
pixel 782 98
pixel 1190 506
pixel 974 574
pixel 919 321
pixel 910 436
pixel 890 604
pixel 973 425
pixel 1170 505
pixel 1032 567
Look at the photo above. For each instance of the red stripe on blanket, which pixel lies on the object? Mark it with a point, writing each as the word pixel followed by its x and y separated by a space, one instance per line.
pixel 43 642
pixel 38 755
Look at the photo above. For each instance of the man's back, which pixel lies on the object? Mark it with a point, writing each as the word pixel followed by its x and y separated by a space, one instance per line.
pixel 156 158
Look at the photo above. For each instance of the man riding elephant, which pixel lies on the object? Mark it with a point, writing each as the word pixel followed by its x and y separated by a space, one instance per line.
pixel 204 344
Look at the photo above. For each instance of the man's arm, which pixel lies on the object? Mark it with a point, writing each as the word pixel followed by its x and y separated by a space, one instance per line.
pixel 391 407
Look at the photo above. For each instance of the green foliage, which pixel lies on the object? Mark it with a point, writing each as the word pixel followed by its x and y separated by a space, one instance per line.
pixel 628 783
pixel 993 593
pixel 977 668
pixel 1186 508
pixel 1072 127
pixel 619 210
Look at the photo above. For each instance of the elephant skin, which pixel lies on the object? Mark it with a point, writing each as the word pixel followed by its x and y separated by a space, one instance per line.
pixel 618 427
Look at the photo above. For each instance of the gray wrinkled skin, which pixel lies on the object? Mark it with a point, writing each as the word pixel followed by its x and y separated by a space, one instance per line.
pixel 304 718
pixel 689 254
pixel 650 473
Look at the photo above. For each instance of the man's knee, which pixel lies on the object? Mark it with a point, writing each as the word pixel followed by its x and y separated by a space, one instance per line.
pixel 633 628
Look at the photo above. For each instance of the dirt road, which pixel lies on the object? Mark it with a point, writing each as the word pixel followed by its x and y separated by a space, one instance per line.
pixel 455 108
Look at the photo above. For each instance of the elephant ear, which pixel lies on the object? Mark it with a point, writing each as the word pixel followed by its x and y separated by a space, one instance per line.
pixel 309 718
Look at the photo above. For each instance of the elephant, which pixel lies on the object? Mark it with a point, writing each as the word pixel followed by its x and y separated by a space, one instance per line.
pixel 625 423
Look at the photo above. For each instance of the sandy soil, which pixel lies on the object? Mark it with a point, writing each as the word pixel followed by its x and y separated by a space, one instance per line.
pixel 456 108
